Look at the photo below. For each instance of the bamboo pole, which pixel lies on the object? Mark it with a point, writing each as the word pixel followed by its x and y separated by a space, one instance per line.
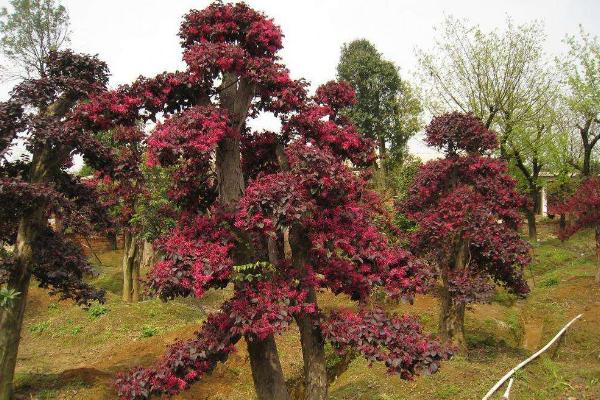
pixel 533 357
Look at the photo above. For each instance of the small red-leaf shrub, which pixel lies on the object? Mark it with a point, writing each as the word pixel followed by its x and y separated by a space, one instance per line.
pixel 468 197
pixel 583 206
pixel 457 131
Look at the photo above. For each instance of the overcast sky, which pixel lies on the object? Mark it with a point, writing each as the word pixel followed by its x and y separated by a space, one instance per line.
pixel 140 36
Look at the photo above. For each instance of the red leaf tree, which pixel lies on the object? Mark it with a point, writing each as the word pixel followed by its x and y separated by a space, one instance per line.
pixel 278 215
pixel 467 211
pixel 584 208
pixel 40 113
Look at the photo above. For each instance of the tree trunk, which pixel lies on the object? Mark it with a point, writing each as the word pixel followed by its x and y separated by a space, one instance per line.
pixel 381 172
pixel 562 222
pixel 264 361
pixel 311 337
pixel 112 240
pixel 597 231
pixel 452 313
pixel 587 157
pixel 452 319
pixel 236 96
pixel 313 354
pixel 132 258
pixel 11 322
pixel 531 225
pixel 11 317
pixel 149 256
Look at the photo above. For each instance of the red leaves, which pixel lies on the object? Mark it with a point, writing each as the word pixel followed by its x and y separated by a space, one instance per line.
pixel 398 341
pixel 337 95
pixel 272 202
pixel 197 257
pixel 320 121
pixel 232 23
pixel 583 205
pixel 191 135
pixel 468 198
pixel 184 362
pixel 456 131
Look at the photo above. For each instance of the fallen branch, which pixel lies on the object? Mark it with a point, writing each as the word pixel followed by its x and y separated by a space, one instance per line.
pixel 533 357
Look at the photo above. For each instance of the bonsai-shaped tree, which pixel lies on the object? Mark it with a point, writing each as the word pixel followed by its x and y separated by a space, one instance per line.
pixel 584 208
pixel 278 216
pixel 467 212
pixel 40 113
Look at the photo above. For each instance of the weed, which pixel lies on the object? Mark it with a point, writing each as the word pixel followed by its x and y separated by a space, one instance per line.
pixel 40 327
pixel 75 330
pixel 549 282
pixel 515 325
pixel 149 331
pixel 98 310
pixel 7 296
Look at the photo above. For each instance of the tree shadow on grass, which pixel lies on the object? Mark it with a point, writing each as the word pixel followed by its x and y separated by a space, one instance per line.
pixel 45 386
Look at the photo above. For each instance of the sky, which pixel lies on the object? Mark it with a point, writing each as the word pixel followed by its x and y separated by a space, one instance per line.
pixel 139 37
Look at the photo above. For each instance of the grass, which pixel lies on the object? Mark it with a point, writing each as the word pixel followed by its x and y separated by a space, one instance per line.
pixel 71 353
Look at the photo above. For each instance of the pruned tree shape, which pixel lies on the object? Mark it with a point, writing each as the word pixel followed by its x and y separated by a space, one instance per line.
pixel 278 215
pixel 467 213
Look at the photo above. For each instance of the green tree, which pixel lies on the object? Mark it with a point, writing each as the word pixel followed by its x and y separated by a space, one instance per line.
pixel 30 31
pixel 581 75
pixel 502 78
pixel 387 108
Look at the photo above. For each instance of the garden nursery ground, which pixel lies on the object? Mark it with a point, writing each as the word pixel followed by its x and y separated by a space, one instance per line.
pixel 71 353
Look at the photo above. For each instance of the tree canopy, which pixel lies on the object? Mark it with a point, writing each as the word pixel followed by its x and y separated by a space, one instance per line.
pixel 29 31
pixel 387 108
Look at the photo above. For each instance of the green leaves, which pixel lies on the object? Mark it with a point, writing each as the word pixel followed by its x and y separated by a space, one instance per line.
pixel 252 272
pixel 387 108
pixel 7 296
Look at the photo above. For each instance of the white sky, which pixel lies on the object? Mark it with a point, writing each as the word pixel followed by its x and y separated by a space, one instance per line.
pixel 140 36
